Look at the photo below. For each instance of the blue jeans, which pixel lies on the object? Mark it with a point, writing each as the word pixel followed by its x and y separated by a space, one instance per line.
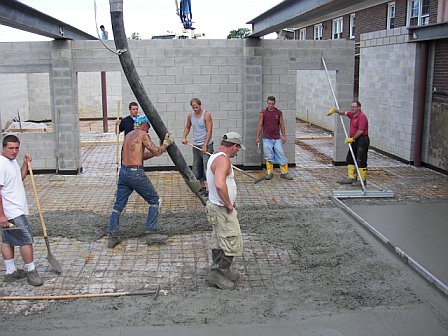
pixel 131 179
pixel 273 151
pixel 21 237
pixel 200 160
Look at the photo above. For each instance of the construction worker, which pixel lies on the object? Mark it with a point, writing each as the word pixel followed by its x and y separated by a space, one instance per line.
pixel 137 147
pixel 359 140
pixel 127 124
pixel 202 124
pixel 221 214
pixel 271 123
pixel 104 33
pixel 13 214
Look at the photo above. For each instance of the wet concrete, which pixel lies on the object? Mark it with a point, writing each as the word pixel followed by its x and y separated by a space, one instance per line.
pixel 307 268
pixel 419 229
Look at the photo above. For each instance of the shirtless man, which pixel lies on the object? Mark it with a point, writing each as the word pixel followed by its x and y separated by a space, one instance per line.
pixel 137 147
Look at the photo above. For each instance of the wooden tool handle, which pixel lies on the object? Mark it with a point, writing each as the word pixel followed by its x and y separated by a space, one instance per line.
pixel 236 168
pixel 117 131
pixel 39 210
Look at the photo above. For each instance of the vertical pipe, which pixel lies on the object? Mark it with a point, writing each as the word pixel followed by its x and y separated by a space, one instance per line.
pixel 423 70
pixel 104 100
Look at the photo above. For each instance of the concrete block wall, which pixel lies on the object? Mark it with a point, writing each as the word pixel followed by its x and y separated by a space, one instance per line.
pixel 41 146
pixel 89 94
pixel 314 97
pixel 13 97
pixel 65 107
pixel 232 78
pixel 39 98
pixel 309 88
pixel 387 82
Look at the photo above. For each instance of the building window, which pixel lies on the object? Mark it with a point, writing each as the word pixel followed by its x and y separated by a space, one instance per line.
pixel 302 34
pixel 337 28
pixel 352 26
pixel 391 15
pixel 418 12
pixel 318 29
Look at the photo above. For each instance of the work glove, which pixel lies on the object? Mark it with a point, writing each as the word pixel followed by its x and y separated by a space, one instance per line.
pixel 349 140
pixel 331 111
pixel 169 139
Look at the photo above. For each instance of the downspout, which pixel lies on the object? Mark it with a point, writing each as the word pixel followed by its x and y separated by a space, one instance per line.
pixel 423 71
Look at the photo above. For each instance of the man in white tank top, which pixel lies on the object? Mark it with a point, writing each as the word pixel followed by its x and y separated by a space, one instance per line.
pixel 221 214
pixel 202 124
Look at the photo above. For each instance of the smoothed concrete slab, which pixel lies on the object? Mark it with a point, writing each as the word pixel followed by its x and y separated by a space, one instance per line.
pixel 420 230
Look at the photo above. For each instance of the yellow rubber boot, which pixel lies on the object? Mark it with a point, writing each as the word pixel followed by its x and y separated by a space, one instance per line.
pixel 351 175
pixel 269 170
pixel 363 172
pixel 285 174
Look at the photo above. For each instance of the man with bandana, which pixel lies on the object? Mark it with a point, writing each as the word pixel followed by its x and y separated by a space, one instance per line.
pixel 137 146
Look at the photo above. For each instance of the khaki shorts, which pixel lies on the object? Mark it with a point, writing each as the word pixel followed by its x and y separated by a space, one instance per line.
pixel 226 229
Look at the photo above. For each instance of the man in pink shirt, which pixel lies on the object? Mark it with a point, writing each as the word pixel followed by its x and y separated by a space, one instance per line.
pixel 359 140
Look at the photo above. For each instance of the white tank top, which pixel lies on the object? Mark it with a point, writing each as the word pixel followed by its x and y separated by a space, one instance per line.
pixel 213 196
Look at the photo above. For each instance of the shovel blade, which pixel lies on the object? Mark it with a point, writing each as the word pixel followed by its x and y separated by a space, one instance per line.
pixel 54 263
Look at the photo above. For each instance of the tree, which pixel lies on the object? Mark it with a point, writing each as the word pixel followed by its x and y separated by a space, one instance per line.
pixel 239 33
pixel 135 36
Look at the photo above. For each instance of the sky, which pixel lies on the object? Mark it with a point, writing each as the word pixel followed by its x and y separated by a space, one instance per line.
pixel 213 18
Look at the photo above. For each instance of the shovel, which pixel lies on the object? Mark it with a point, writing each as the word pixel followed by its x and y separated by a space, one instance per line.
pixel 257 180
pixel 51 259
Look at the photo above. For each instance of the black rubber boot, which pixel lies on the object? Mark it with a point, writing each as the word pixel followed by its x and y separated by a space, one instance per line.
pixel 224 267
pixel 215 277
pixel 216 255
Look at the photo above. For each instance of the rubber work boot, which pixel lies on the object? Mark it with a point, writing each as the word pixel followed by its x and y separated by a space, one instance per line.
pixel 215 277
pixel 285 175
pixel 229 274
pixel 269 170
pixel 34 278
pixel 16 275
pixel 224 267
pixel 363 172
pixel 351 175
pixel 154 238
pixel 113 241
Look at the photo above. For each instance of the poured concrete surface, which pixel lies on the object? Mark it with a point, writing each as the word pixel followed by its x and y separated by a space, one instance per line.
pixel 420 230
pixel 307 268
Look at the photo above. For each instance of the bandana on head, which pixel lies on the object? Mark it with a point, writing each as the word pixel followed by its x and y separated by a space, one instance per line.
pixel 140 120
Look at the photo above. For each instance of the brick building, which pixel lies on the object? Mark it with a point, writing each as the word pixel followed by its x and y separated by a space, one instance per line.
pixel 365 17
pixel 410 36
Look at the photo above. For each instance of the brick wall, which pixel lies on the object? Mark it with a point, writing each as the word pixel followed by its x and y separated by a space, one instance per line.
pixel 372 19
pixel 440 79
pixel 433 5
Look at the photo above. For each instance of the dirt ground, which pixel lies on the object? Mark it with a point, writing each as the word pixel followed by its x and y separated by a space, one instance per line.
pixel 337 268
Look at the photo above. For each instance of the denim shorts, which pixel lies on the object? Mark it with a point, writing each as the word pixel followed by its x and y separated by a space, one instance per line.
pixel 200 160
pixel 20 237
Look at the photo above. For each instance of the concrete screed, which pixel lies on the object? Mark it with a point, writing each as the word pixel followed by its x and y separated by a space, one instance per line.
pixel 307 268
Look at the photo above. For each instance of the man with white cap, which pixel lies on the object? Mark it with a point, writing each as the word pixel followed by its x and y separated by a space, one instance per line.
pixel 221 214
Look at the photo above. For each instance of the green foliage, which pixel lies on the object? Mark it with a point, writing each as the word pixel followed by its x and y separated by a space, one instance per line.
pixel 135 36
pixel 239 33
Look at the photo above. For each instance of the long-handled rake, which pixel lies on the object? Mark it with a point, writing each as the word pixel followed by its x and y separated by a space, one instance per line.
pixel 354 193
pixel 256 179
pixel 51 259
